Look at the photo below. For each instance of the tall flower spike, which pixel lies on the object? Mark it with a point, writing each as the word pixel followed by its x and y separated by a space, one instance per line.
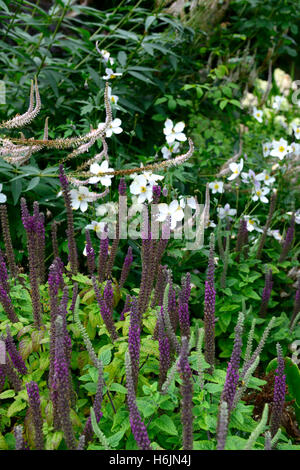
pixel 232 375
pixel 7 304
pixel 20 443
pixel 126 267
pixel 279 393
pixel 16 358
pixel 134 340
pixel 7 241
pixel 70 222
pixel 106 312
pixel 61 384
pixel 31 226
pixel 31 113
pixel 164 352
pixel 266 294
pixel 222 428
pixel 12 376
pixel 259 348
pixel 288 240
pixel 138 428
pixel 35 408
pixel 187 396
pixel 209 309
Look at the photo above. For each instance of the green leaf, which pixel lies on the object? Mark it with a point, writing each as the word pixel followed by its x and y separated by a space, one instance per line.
pixel 118 388
pixel 7 394
pixel 105 357
pixel 166 425
pixel 15 407
pixel 122 58
pixel 149 20
pixel 33 183
pixel 140 76
pixel 16 189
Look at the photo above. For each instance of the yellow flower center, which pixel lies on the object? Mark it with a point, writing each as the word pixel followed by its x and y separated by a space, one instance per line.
pixel 257 114
pixel 251 222
pixel 216 186
pixel 143 189
pixel 267 177
pixel 281 148
pixel 258 193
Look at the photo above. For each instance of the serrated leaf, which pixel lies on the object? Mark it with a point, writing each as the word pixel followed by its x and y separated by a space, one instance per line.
pixel 165 424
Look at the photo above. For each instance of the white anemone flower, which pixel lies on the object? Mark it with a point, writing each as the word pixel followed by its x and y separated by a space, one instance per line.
pixel 114 127
pixel 297 216
pixel 110 74
pixel 152 178
pixel 260 194
pixel 267 148
pixel 296 130
pixel 167 151
pixel 216 186
pixel 252 224
pixel 140 187
pixel 172 210
pixel 173 133
pixel 80 198
pixel 280 148
pixel 275 234
pixel 257 114
pixel 294 148
pixel 113 98
pixel 106 57
pixel 226 211
pixel 97 227
pixel 97 170
pixel 236 169
pixel 266 178
pixel 3 198
pixel 249 177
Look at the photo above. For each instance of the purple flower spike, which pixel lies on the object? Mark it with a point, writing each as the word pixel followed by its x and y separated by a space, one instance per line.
pixel 184 319
pixel 288 240
pixel 209 310
pixel 134 340
pixel 16 358
pixel 164 351
pixel 35 405
pixel 126 267
pixel 279 393
pixel 266 294
pixel 138 428
pixel 187 396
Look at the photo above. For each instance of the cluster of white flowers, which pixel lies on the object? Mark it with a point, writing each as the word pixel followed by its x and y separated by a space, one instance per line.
pixel 80 198
pixel 174 135
pixel 142 186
